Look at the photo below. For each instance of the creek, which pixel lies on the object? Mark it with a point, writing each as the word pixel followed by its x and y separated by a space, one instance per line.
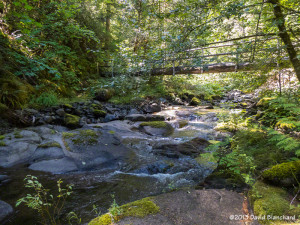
pixel 149 172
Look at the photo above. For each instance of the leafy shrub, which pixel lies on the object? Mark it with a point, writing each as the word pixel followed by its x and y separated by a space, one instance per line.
pixel 46 99
pixel 48 206
pixel 14 93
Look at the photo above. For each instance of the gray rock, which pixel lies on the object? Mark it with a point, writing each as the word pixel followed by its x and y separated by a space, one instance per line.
pixel 19 147
pixel 133 111
pixel 3 177
pixel 95 149
pixel 47 153
pixel 110 117
pixel 55 166
pixel 151 108
pixel 213 207
pixel 60 112
pixel 5 210
pixel 48 119
pixel 136 117
pixel 161 131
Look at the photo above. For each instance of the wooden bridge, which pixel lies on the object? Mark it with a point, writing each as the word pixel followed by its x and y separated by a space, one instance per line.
pixel 255 52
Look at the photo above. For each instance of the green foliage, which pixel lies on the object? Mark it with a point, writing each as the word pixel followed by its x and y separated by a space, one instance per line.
pixel 46 99
pixel 284 142
pixel 48 206
pixel 14 93
pixel 281 112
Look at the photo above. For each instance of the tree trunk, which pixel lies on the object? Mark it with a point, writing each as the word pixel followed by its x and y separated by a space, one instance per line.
pixel 285 37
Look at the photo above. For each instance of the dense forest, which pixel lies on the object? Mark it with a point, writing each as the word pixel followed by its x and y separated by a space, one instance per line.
pixel 150 111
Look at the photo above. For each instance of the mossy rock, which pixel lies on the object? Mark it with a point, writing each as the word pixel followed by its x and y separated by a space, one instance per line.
pixel 269 200
pixel 83 137
pixel 53 144
pixel 207 160
pixel 99 113
pixel 104 94
pixel 183 123
pixel 285 174
pixel 72 121
pixel 2 137
pixel 97 106
pixel 2 144
pixel 195 101
pixel 139 208
pixel 68 106
pixel 165 128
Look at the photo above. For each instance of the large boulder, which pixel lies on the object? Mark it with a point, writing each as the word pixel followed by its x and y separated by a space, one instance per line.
pixel 284 174
pixel 18 147
pixel 213 207
pixel 5 210
pixel 191 148
pixel 72 121
pixel 95 149
pixel 271 201
pixel 143 117
pixel 104 95
pixel 55 166
pixel 157 128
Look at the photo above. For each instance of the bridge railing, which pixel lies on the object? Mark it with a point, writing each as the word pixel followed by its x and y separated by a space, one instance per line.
pixel 259 50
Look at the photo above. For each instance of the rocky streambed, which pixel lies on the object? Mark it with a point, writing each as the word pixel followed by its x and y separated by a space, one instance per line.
pixel 139 156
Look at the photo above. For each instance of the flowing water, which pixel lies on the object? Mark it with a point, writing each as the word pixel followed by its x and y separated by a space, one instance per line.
pixel 151 175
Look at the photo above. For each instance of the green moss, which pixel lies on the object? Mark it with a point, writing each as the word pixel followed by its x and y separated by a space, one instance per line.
pixel 207 160
pixel 182 123
pixel 102 220
pixel 97 106
pixel 2 143
pixel 99 113
pixel 67 135
pixel 270 200
pixel 2 137
pixel 50 145
pixel 195 101
pixel 111 132
pixel 97 126
pixel 159 124
pixel 89 137
pixel 68 106
pixel 17 134
pixel 72 121
pixel 283 172
pixel 139 208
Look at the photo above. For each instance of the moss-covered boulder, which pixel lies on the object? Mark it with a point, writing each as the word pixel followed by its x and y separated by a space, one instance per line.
pixel 139 208
pixel 195 101
pixel 285 174
pixel 182 123
pixel 157 128
pixel 99 113
pixel 104 95
pixel 72 121
pixel 272 201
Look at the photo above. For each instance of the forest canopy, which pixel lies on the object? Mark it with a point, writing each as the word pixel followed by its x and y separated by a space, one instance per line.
pixel 58 47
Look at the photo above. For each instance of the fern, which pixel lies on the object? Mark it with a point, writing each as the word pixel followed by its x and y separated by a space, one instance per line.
pixel 284 141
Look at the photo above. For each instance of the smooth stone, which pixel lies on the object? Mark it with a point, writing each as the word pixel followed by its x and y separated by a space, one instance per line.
pixel 5 210
pixel 55 166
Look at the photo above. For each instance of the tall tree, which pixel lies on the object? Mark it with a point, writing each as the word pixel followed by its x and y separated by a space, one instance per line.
pixel 284 35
